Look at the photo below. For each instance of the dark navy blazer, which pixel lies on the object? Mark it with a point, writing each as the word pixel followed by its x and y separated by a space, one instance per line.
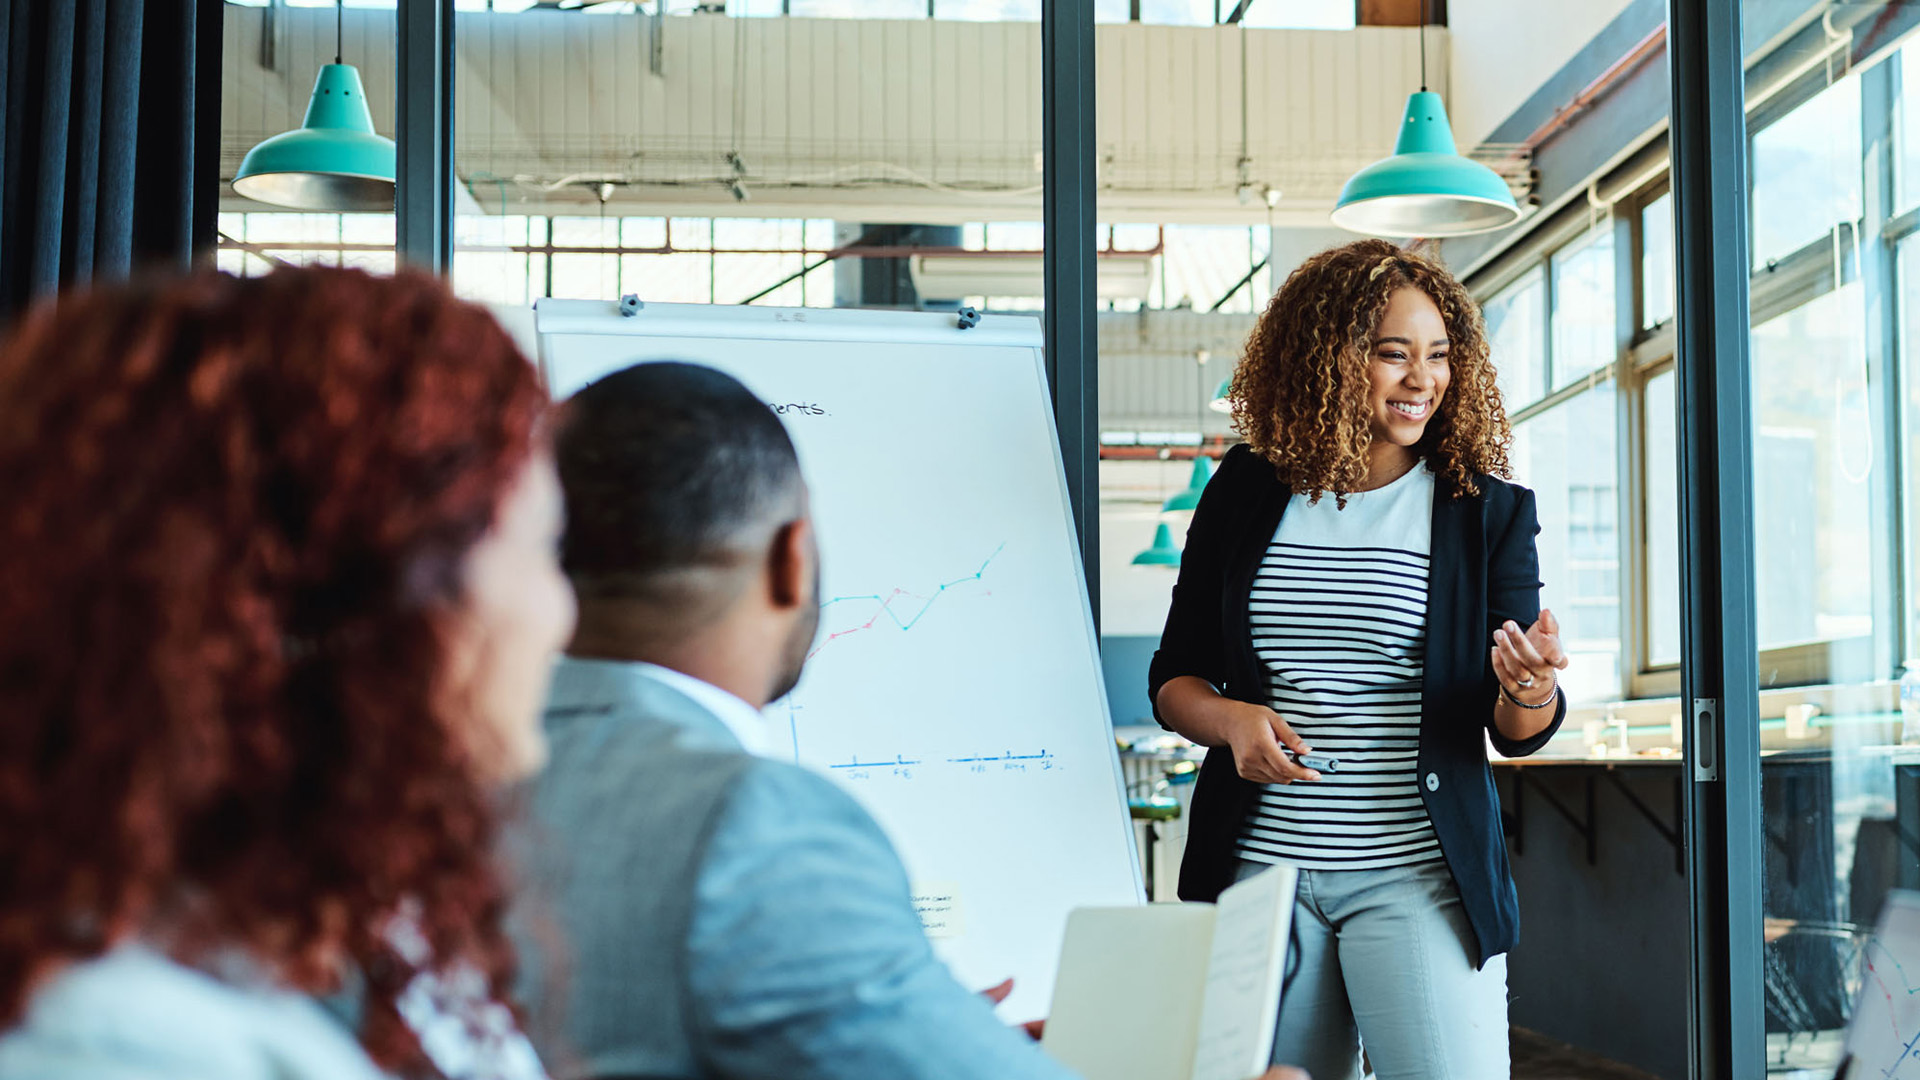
pixel 1484 570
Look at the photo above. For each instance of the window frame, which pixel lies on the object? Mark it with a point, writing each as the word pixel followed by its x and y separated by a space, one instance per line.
pixel 1777 287
pixel 1788 282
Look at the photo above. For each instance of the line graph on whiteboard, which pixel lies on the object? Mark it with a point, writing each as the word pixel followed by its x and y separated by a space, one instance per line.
pixel 1888 981
pixel 885 606
pixel 1883 1038
pixel 904 611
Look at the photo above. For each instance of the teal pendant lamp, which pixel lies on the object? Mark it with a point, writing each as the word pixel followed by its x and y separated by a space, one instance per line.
pixel 1221 402
pixel 1426 188
pixel 334 161
pixel 1185 501
pixel 1162 553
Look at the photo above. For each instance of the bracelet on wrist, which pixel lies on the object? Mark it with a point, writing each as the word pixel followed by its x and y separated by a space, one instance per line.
pixel 1550 698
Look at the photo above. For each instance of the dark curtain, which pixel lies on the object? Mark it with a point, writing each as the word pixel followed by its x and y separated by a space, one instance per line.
pixel 110 161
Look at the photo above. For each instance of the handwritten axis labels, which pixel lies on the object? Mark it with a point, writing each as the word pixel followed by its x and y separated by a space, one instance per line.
pixel 938 905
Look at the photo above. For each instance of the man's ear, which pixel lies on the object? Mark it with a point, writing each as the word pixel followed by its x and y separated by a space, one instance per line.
pixel 790 568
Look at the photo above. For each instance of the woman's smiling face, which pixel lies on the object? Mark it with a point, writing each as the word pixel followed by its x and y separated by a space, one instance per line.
pixel 1407 368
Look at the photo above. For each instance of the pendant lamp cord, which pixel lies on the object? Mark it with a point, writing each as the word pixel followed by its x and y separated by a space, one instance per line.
pixel 340 31
pixel 1425 16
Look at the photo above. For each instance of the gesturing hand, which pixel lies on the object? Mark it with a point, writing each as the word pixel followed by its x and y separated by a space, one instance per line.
pixel 1525 661
pixel 1260 740
pixel 998 993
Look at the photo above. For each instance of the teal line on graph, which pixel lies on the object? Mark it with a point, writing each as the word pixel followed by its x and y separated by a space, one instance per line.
pixel 886 608
pixel 1873 943
pixel 886 604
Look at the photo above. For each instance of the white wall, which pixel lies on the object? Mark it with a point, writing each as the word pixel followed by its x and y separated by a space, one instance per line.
pixel 1504 50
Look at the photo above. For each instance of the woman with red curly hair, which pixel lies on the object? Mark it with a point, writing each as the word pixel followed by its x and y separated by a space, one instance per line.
pixel 278 601
pixel 1348 657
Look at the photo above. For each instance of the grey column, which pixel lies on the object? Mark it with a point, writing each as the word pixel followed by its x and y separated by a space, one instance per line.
pixel 1071 221
pixel 423 122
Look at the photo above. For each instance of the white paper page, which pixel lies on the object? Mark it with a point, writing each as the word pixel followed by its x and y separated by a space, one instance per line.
pixel 1884 1036
pixel 1244 969
pixel 1126 1004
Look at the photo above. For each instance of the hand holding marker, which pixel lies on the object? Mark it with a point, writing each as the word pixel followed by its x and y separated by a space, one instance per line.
pixel 1317 762
pixel 1266 749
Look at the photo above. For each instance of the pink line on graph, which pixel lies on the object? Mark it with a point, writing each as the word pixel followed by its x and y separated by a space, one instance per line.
pixel 885 608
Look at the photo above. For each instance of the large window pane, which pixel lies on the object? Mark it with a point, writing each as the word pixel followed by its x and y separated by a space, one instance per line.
pixel 586 277
pixel 988 10
pixel 1567 456
pixel 1202 263
pixel 1516 333
pixel 1583 325
pixel 1806 173
pixel 1179 12
pixel 254 241
pixel 1813 453
pixel 367 229
pixel 1663 523
pixel 1836 793
pixel 1908 137
pixel 859 9
pixel 1301 14
pixel 494 277
pixel 1909 269
pixel 1656 262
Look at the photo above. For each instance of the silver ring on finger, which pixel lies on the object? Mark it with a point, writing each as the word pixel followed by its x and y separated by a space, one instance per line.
pixel 1525 683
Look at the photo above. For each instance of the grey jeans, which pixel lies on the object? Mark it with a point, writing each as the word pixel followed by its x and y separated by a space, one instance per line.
pixel 1384 958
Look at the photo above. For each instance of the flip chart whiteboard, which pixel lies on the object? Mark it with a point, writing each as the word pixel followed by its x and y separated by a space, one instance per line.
pixel 955 687
pixel 1883 1038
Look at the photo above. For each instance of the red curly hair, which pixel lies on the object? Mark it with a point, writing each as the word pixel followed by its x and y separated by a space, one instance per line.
pixel 235 521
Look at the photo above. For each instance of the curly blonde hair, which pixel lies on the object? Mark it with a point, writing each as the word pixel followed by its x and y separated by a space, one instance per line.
pixel 1300 392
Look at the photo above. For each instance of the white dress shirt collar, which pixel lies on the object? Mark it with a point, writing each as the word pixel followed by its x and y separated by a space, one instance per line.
pixel 742 719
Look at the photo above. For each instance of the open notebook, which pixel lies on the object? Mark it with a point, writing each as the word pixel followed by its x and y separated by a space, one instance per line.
pixel 1174 991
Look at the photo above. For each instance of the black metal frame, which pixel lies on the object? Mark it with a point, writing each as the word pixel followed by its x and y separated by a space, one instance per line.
pixel 1719 676
pixel 1070 219
pixel 423 122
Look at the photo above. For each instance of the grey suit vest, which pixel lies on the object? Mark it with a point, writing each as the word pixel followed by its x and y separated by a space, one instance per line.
pixel 610 853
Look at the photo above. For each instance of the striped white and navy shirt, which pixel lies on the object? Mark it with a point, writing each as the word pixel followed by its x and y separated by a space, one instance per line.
pixel 1338 614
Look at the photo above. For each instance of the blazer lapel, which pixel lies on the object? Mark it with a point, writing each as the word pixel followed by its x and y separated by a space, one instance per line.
pixel 1456 588
pixel 1268 503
